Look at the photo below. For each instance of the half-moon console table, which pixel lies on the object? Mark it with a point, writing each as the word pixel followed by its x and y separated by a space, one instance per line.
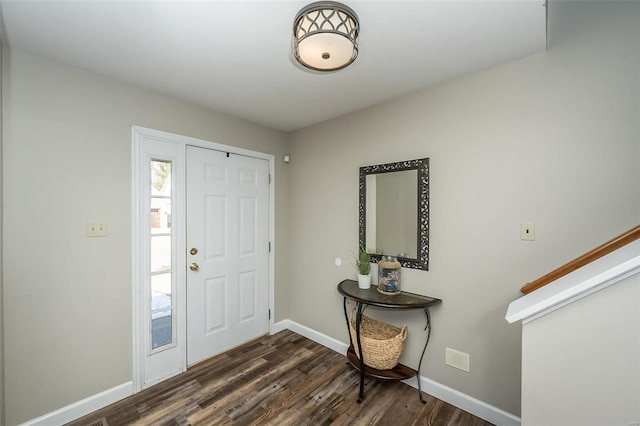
pixel 371 297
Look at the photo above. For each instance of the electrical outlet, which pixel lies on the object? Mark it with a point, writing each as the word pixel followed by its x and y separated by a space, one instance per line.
pixel 527 231
pixel 457 359
pixel 97 229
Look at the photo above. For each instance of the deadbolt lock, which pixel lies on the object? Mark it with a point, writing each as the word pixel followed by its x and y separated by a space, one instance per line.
pixel 193 251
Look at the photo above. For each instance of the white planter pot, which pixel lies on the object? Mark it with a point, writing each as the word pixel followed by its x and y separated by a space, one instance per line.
pixel 364 281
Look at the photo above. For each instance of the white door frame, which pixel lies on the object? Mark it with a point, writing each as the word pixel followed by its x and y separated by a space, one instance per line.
pixel 138 136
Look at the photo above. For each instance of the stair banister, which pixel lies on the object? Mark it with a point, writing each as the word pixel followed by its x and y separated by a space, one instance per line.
pixel 598 252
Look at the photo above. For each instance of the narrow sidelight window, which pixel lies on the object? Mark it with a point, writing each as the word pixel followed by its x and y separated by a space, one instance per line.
pixel 162 272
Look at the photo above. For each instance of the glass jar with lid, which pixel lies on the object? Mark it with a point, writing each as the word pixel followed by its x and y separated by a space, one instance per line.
pixel 389 275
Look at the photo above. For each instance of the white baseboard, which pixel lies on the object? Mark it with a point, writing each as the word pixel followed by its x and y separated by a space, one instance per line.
pixel 458 399
pixel 465 402
pixel 83 407
pixel 312 334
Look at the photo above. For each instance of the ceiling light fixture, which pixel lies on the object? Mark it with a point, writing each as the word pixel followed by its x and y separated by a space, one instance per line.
pixel 325 36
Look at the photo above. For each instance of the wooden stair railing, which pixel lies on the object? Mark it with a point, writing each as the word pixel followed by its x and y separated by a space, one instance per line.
pixel 598 252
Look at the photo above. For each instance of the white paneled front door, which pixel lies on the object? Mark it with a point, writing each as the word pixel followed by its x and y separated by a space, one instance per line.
pixel 227 251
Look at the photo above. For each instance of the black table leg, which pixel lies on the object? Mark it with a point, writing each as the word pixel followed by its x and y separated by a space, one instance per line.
pixel 362 373
pixel 346 317
pixel 428 329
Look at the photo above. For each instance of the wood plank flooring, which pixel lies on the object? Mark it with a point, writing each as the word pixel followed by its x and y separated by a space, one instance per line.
pixel 284 379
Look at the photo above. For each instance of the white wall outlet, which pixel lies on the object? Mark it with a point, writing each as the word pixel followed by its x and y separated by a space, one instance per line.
pixel 527 231
pixel 97 229
pixel 457 359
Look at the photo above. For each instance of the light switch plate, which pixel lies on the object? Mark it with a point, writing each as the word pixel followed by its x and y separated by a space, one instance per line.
pixel 97 229
pixel 527 231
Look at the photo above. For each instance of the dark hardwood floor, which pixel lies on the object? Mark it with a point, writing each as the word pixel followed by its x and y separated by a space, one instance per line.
pixel 284 379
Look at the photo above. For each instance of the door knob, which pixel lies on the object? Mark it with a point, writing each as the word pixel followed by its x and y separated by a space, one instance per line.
pixel 193 251
pixel 194 266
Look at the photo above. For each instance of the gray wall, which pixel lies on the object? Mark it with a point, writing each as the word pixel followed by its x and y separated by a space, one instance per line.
pixel 1 261
pixel 552 138
pixel 67 159
pixel 581 363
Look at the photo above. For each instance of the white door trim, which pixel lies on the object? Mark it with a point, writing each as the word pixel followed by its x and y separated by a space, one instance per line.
pixel 138 133
pixel 166 362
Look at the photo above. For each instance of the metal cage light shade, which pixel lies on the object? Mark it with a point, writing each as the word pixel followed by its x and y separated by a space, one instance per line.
pixel 325 36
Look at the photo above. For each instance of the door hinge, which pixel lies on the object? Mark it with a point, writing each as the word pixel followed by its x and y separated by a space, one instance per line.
pixel 269 313
pixel 269 246
pixel 269 178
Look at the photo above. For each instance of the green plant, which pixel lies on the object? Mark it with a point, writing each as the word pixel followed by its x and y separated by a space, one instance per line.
pixel 363 262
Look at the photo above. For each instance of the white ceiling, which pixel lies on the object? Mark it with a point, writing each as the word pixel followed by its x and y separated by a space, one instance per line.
pixel 235 56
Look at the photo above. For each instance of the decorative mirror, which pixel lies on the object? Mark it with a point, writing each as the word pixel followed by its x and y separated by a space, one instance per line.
pixel 394 211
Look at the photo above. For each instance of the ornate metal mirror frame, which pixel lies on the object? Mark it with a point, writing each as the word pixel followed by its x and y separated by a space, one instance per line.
pixel 422 226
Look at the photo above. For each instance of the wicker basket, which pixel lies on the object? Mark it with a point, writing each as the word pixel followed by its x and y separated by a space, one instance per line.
pixel 382 344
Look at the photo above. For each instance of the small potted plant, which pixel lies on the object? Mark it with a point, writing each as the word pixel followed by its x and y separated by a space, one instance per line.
pixel 363 264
